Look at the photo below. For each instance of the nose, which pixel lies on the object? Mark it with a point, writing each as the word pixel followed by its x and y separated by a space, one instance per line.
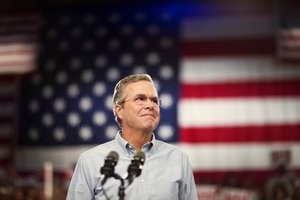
pixel 150 103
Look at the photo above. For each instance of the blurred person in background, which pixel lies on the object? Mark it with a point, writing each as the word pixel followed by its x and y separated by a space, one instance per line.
pixel 283 177
pixel 296 191
pixel 166 174
pixel 280 192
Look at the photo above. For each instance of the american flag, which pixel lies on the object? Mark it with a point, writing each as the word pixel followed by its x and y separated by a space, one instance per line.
pixel 85 52
pixel 288 31
pixel 18 42
pixel 225 100
pixel 8 123
pixel 18 51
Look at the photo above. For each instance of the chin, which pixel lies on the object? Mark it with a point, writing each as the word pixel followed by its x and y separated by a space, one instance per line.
pixel 149 128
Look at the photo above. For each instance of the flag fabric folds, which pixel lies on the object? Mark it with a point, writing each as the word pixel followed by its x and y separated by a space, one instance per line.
pixel 288 31
pixel 225 100
pixel 8 119
pixel 68 101
pixel 18 42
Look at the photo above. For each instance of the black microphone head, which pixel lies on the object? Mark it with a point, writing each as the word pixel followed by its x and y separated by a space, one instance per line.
pixel 113 155
pixel 135 168
pixel 140 156
pixel 110 162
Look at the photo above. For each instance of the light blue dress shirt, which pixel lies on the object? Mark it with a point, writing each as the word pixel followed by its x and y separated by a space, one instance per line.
pixel 166 174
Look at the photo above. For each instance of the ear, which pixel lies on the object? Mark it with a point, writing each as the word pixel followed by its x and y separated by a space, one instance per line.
pixel 119 111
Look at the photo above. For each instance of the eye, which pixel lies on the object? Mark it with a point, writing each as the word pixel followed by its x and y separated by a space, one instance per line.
pixel 154 100
pixel 141 98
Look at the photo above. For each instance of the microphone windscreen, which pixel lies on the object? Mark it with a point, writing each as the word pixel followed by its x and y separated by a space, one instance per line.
pixel 114 155
pixel 140 154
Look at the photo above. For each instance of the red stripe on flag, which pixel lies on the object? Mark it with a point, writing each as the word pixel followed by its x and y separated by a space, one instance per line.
pixel 17 52
pixel 278 88
pixel 255 176
pixel 21 64
pixel 18 35
pixel 263 133
pixel 244 46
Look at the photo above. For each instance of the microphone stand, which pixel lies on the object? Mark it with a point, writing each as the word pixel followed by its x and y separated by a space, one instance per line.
pixel 121 192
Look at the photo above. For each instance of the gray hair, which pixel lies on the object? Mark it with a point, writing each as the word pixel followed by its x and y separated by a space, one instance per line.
pixel 119 91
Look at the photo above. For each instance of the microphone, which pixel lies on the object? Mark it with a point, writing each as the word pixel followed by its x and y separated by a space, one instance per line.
pixel 135 168
pixel 108 169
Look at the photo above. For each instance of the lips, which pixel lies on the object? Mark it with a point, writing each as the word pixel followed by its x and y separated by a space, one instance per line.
pixel 148 115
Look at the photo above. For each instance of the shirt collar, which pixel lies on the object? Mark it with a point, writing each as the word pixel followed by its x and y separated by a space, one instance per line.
pixel 129 150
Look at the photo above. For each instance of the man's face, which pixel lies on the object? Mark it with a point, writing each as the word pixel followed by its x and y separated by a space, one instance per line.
pixel 140 111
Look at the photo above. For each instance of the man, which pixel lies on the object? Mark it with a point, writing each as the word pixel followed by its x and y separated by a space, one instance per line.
pixel 166 173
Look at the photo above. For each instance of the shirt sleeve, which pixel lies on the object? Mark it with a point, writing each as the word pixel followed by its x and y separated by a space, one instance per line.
pixel 187 190
pixel 80 187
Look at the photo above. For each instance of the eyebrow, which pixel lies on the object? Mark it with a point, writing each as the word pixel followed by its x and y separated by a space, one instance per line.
pixel 145 95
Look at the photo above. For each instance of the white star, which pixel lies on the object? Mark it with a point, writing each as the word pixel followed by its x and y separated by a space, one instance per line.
pixel 65 20
pixel 140 43
pixel 100 61
pixel 88 45
pixel 47 119
pixel 152 29
pixel 114 17
pixel 127 30
pixel 152 58
pixel 47 91
pixel 157 84
pixel 87 76
pixel 166 100
pixel 108 102
pixel 99 118
pixel 166 43
pixel 73 119
pixel 59 134
pixel 166 72
pixel 61 77
pixel 85 103
pixel 76 32
pixel 50 64
pixel 139 70
pixel 73 90
pixel 111 131
pixel 101 31
pixel 33 134
pixel 99 88
pixel 114 44
pixel 51 34
pixel 113 74
pixel 34 106
pixel 165 132
pixel 63 45
pixel 85 133
pixel 75 63
pixel 59 104
pixel 126 59
pixel 89 19
pixel 36 79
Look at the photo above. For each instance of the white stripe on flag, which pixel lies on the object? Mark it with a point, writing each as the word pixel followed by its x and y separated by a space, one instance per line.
pixel 202 157
pixel 238 111
pixel 237 156
pixel 230 69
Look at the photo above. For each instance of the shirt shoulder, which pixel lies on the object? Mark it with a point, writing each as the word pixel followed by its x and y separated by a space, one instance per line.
pixel 169 148
pixel 99 151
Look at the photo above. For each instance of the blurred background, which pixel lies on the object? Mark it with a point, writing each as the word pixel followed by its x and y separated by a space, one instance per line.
pixel 227 72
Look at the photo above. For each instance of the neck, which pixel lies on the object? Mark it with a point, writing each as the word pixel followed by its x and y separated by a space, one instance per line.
pixel 137 139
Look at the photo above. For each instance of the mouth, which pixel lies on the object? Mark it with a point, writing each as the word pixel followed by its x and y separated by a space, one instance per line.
pixel 148 115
